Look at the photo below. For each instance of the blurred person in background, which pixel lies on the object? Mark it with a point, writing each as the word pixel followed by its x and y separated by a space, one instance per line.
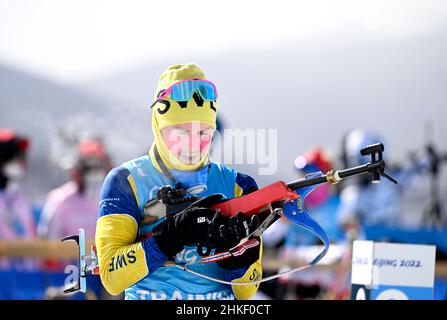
pixel 366 206
pixel 16 218
pixel 372 204
pixel 74 205
pixel 322 204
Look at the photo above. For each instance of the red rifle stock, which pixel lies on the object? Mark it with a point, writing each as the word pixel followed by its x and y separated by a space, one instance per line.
pixel 257 201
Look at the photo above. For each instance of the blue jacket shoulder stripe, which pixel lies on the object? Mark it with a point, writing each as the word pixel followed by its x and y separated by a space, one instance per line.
pixel 247 183
pixel 117 196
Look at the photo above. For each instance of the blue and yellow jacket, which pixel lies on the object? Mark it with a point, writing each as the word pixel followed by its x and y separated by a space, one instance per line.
pixel 138 268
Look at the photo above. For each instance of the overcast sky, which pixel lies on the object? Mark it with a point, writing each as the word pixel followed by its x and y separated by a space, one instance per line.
pixel 77 40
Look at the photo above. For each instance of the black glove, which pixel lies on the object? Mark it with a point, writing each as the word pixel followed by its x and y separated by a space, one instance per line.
pixel 225 233
pixel 187 227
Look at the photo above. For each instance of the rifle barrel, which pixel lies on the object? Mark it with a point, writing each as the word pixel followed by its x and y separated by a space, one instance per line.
pixel 369 167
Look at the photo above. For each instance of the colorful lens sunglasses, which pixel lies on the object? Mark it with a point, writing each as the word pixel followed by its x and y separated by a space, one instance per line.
pixel 183 90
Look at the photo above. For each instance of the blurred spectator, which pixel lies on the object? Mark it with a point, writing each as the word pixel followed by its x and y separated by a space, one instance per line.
pixel 363 203
pixel 74 205
pixel 296 242
pixel 322 204
pixel 16 219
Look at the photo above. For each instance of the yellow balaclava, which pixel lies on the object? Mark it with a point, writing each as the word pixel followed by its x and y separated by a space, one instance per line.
pixel 169 112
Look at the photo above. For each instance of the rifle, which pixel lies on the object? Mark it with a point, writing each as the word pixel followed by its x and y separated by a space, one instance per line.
pixel 269 203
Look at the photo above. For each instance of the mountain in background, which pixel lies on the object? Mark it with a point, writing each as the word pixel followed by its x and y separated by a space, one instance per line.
pixel 39 108
pixel 313 94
